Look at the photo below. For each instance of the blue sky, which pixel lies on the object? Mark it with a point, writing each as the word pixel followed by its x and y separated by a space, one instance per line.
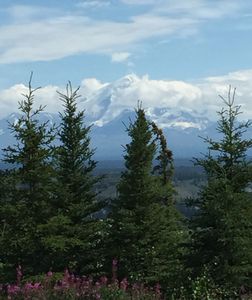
pixel 106 39
pixel 176 55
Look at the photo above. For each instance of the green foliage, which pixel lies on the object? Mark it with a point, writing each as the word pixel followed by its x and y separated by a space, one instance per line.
pixel 74 233
pixel 27 188
pixel 204 287
pixel 146 229
pixel 222 238
pixel 136 192
pixel 74 157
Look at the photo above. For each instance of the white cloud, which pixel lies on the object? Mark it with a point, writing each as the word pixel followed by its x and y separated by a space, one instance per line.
pixel 23 11
pixel 120 56
pixel 140 2
pixel 218 85
pixel 59 37
pixel 93 3
pixel 105 101
pixel 201 9
pixel 91 85
pixel 10 97
pixel 33 36
pixel 28 13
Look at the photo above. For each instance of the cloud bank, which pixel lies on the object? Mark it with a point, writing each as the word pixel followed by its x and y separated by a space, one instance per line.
pixel 104 102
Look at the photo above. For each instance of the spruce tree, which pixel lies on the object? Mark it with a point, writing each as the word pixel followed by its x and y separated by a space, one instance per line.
pixel 146 228
pixel 222 238
pixel 135 194
pixel 75 230
pixel 28 186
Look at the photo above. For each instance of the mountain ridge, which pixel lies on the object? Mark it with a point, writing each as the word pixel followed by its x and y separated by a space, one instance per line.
pixel 177 107
pixel 109 138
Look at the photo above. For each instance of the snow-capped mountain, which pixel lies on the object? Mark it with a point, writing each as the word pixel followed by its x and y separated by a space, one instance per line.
pixel 174 105
pixel 182 133
pixel 105 102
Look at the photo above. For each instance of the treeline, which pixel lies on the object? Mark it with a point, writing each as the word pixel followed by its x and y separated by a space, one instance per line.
pixel 49 207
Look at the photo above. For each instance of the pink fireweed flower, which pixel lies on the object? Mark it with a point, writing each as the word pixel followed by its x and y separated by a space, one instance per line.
pixel 135 286
pixel 72 278
pixel 13 289
pixel 114 262
pixel 37 285
pixel 19 274
pixel 29 287
pixel 66 274
pixel 104 280
pixel 49 274
pixel 66 279
pixel 114 269
pixel 158 289
pixel 115 283
pixel 85 284
pixel 124 284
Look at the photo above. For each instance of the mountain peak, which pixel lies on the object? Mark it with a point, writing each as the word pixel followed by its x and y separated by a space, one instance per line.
pixel 126 81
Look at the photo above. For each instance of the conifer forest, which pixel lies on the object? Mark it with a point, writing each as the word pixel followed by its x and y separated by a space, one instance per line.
pixel 61 239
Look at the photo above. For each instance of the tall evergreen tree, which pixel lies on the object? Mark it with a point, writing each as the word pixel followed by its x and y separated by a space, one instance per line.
pixel 222 238
pixel 28 186
pixel 145 226
pixel 135 193
pixel 75 231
